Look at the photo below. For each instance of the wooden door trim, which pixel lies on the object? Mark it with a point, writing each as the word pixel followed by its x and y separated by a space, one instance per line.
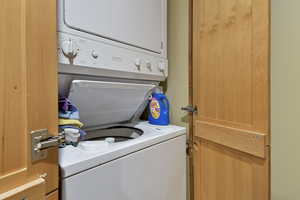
pixel 53 195
pixel 38 184
pixel 245 141
pixel 190 82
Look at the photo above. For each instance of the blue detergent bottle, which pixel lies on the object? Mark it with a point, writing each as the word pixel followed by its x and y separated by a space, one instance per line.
pixel 159 109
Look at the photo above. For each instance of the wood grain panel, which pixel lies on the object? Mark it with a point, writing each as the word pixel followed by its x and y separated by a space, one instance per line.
pixel 13 128
pixel 42 89
pixel 53 196
pixel 245 141
pixel 224 174
pixel 261 59
pixel 230 73
pixel 231 63
pixel 12 88
pixel 28 89
pixel 33 190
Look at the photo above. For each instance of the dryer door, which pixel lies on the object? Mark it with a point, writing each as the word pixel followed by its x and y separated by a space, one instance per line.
pixel 139 23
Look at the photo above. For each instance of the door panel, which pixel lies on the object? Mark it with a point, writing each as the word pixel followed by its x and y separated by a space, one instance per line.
pixel 224 174
pixel 12 91
pixel 34 190
pixel 231 71
pixel 28 90
pixel 230 58
pixel 42 88
pixel 53 196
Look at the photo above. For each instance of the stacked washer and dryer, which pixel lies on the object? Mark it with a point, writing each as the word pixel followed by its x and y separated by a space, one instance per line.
pixel 112 56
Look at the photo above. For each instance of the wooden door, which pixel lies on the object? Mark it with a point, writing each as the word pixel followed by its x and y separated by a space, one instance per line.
pixel 230 59
pixel 28 97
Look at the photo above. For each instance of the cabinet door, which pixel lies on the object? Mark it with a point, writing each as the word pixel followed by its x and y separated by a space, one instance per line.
pixel 28 91
pixel 231 91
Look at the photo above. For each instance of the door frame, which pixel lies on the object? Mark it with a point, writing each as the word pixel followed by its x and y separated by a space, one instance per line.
pixel 190 92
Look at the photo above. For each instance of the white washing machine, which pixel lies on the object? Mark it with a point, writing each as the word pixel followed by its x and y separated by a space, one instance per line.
pixel 150 167
pixel 121 158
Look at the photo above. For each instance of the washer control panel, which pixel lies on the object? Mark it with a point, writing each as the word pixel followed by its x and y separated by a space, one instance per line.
pixel 73 50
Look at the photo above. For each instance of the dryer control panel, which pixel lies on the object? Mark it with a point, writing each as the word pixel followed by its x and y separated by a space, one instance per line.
pixel 82 52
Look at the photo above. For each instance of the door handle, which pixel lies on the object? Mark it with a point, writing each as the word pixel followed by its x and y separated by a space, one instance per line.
pixel 190 109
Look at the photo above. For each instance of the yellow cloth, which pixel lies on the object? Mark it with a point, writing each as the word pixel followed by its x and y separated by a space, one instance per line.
pixel 70 122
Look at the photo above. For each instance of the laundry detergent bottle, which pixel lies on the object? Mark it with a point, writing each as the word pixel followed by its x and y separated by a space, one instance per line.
pixel 159 109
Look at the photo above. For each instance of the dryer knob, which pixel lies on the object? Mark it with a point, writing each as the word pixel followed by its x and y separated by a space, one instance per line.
pixel 161 66
pixel 95 55
pixel 149 65
pixel 70 49
pixel 138 63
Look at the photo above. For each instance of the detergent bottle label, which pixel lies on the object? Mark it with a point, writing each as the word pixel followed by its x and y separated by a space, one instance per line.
pixel 155 108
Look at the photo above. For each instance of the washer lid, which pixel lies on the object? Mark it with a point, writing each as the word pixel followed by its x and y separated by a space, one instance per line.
pixel 107 103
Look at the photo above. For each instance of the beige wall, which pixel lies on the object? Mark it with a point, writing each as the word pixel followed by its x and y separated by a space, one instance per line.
pixel 177 83
pixel 285 99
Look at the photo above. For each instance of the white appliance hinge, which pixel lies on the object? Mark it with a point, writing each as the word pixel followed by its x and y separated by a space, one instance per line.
pixel 41 141
pixel 162 45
